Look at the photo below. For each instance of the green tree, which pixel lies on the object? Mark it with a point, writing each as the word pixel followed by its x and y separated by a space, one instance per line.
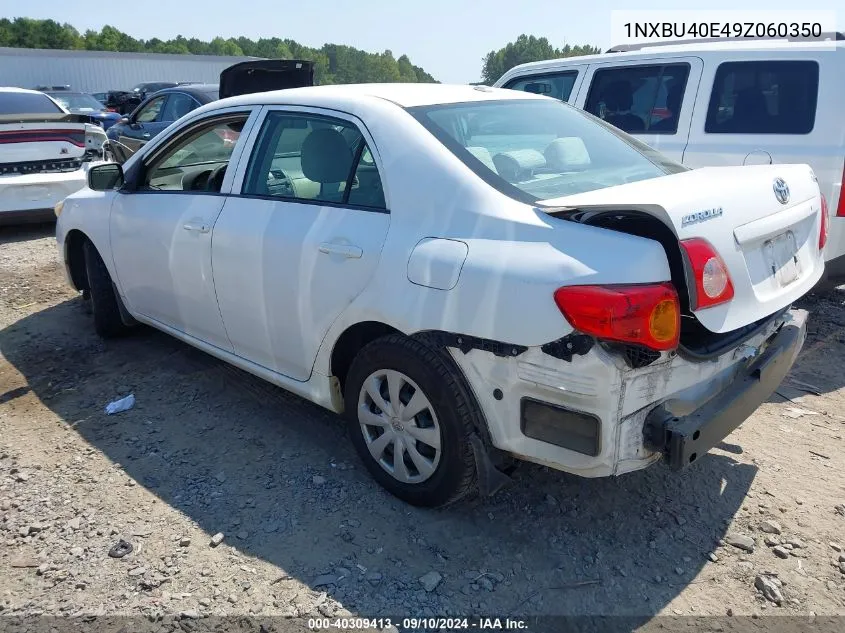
pixel 333 63
pixel 526 48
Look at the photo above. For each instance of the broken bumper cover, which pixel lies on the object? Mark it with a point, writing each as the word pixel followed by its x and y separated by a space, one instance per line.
pixel 685 439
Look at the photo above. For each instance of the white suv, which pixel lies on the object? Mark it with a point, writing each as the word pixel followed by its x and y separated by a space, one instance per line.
pixel 718 103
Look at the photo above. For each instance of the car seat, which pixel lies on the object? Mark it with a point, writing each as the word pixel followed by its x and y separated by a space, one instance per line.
pixel 673 104
pixel 618 97
pixel 326 159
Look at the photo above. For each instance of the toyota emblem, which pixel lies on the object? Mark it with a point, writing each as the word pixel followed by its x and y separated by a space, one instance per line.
pixel 781 190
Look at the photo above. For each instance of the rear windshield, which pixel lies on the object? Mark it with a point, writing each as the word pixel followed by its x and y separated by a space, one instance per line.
pixel 541 149
pixel 25 103
pixel 77 101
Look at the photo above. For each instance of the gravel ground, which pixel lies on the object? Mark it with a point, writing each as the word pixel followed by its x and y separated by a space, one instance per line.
pixel 757 527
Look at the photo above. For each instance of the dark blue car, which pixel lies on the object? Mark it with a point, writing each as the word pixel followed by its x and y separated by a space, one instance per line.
pixel 155 113
pixel 82 103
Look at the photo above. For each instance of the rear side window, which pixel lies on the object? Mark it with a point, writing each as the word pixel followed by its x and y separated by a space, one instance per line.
pixel 310 158
pixel 25 103
pixel 557 85
pixel 639 99
pixel 771 97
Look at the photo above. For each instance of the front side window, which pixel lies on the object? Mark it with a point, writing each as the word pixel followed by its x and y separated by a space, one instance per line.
pixel 150 112
pixel 541 149
pixel 198 160
pixel 644 99
pixel 178 105
pixel 557 85
pixel 313 158
pixel 770 97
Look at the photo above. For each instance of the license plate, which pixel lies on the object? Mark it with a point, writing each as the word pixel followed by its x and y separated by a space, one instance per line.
pixel 781 253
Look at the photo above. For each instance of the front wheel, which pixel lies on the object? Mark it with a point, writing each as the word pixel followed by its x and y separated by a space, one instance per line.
pixel 104 301
pixel 410 418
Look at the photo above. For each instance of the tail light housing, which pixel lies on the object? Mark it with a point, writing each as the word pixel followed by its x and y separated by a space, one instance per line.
pixel 824 224
pixel 647 315
pixel 711 284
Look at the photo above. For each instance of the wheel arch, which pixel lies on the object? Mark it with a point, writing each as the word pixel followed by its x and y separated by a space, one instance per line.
pixel 351 341
pixel 75 258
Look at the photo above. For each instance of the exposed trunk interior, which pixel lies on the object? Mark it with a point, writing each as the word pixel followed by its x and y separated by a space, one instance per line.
pixel 697 342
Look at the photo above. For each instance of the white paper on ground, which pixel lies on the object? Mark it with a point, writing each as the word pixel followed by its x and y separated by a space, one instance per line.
pixel 124 404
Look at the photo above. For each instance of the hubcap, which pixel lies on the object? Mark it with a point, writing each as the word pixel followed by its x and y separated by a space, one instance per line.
pixel 399 426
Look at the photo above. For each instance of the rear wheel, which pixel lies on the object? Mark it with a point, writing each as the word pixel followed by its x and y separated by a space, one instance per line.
pixel 410 418
pixel 104 301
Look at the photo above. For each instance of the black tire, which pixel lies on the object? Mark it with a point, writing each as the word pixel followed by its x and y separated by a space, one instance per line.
pixel 453 403
pixel 104 300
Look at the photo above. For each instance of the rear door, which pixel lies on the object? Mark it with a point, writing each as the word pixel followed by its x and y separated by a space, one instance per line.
pixel 302 239
pixel 653 99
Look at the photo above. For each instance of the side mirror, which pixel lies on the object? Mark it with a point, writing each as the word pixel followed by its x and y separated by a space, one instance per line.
pixel 105 177
pixel 538 88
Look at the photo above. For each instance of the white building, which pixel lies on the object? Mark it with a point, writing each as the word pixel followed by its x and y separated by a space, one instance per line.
pixel 99 71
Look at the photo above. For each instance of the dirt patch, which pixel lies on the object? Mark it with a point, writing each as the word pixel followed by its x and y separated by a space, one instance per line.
pixel 209 449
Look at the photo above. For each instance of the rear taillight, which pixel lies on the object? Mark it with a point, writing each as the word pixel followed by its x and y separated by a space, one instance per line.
pixel 712 281
pixel 840 210
pixel 647 315
pixel 823 230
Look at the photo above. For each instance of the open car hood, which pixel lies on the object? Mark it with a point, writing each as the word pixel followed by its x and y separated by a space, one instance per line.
pixel 265 74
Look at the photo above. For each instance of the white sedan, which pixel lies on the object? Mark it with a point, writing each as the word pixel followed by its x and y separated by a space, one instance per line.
pixel 471 275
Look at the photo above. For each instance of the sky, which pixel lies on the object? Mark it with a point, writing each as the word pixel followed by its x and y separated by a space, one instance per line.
pixel 448 38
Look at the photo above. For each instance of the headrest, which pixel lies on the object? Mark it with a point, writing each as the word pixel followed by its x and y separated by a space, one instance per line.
pixel 518 164
pixel 618 96
pixel 326 157
pixel 567 153
pixel 483 154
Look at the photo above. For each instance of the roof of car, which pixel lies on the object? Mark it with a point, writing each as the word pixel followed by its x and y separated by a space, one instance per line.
pixel 404 95
pixel 20 90
pixel 191 89
pixel 698 47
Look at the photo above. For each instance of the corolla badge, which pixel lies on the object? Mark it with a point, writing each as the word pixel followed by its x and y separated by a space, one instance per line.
pixel 701 216
pixel 781 190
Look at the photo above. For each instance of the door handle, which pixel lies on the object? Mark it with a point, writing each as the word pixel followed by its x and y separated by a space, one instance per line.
pixel 146 135
pixel 346 250
pixel 196 225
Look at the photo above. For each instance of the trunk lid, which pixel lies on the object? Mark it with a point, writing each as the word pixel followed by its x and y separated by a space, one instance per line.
pixel 764 222
pixel 264 75
pixel 41 137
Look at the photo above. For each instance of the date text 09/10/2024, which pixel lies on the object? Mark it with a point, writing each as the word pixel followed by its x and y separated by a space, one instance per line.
pixel 410 624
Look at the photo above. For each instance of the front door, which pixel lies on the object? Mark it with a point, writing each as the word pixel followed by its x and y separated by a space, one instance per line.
pixel 143 124
pixel 303 239
pixel 161 228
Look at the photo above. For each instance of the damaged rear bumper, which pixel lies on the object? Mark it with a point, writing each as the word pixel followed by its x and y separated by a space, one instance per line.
pixel 684 439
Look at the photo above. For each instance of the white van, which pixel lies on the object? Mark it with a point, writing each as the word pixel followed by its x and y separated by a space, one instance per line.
pixel 719 103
